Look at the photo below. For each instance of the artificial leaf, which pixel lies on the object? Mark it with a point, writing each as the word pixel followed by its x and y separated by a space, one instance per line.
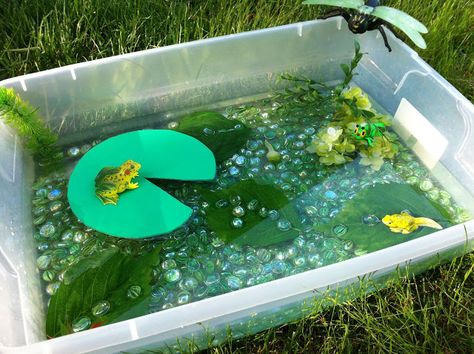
pixel 215 131
pixel 104 276
pixel 256 231
pixel 381 200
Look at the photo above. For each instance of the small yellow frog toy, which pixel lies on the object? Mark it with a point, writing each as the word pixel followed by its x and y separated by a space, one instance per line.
pixel 405 223
pixel 111 181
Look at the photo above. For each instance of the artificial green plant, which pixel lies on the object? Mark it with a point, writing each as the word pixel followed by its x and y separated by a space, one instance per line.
pixel 22 117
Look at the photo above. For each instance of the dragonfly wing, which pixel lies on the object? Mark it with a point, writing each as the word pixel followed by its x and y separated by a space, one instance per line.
pixel 399 18
pixel 350 4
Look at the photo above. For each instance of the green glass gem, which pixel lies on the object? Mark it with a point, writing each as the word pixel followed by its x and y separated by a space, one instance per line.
pixel 237 223
pixel 101 308
pixel 67 235
pixel 433 194
pixel 263 212
pixel 253 205
pixel 134 291
pixel 39 210
pixel 79 236
pixel 222 203
pixel 238 211
pixel 168 264
pixel 43 261
pixel 75 249
pixel 189 283
pixel 81 324
pixel 339 229
pixel 370 220
pixel 425 185
pixel 299 261
pixel 47 230
pixel 55 206
pixel 235 200
pixel 52 288
pixel 234 282
pixel 183 297
pixel 49 275
pixel 172 275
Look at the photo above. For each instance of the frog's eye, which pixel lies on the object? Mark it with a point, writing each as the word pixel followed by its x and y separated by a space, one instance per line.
pixel 363 133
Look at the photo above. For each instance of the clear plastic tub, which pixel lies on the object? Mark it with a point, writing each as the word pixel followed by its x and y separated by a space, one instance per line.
pixel 108 95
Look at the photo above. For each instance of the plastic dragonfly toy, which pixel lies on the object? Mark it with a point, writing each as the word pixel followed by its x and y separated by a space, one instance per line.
pixel 369 15
pixel 368 131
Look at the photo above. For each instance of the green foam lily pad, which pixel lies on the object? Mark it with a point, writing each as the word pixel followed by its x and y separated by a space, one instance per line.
pixel 148 210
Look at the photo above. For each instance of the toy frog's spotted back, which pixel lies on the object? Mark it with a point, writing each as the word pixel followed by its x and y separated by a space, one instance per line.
pixel 111 181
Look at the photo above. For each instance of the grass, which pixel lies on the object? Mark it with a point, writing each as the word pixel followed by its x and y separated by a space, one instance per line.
pixel 432 312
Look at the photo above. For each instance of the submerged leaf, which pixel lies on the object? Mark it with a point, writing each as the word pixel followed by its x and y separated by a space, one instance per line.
pixel 380 201
pixel 103 276
pixel 256 230
pixel 222 136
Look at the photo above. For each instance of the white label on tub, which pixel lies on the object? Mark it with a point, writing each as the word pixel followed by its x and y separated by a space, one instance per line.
pixel 419 134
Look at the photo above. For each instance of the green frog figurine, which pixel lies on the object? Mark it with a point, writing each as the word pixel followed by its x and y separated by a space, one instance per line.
pixel 111 181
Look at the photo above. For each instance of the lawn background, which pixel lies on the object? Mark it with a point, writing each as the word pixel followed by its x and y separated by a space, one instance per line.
pixel 433 312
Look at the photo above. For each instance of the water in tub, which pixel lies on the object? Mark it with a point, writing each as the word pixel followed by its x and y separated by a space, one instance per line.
pixel 304 179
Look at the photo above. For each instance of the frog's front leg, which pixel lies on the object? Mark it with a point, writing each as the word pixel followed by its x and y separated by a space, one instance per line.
pixel 132 185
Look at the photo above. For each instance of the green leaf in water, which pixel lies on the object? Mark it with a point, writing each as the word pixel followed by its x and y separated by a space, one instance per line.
pixel 105 276
pixel 256 230
pixel 222 136
pixel 379 201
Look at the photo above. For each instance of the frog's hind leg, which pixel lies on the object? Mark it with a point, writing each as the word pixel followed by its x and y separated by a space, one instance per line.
pixel 108 198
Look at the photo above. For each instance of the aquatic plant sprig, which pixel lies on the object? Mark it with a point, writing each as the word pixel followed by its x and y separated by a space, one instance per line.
pixel 38 138
pixel 349 69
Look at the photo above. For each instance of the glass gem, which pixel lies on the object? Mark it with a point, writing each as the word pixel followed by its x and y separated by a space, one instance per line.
pixel 101 308
pixel 234 171
pixel 370 220
pixel 183 297
pixel 264 255
pixel 240 160
pixel 238 211
pixel 55 206
pixel 263 212
pixel 172 275
pixel 299 261
pixel 253 205
pixel 49 275
pixel 425 185
pixel 67 235
pixel 237 223
pixel 134 291
pixel 330 195
pixel 189 283
pixel 273 215
pixel 73 152
pixel 234 282
pixel 208 131
pixel 52 288
pixel 79 236
pixel 339 229
pixel 222 203
pixel 85 148
pixel 283 225
pixel 173 125
pixel 278 266
pixel 235 200
pixel 81 324
pixel 47 230
pixel 55 194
